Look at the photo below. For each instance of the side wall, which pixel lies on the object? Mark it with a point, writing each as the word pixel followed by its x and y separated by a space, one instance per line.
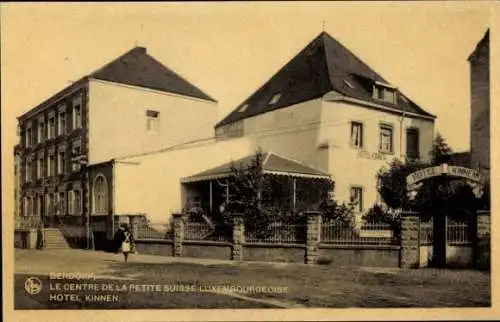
pixel 117 120
pixel 151 184
pixel 292 131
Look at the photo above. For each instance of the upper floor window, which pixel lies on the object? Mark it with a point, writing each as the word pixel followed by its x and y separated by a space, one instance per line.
pixel 41 131
pixel 40 167
pixel 384 93
pixel 76 151
pixel 357 134
pixel 50 165
pixel 77 113
pixel 152 121
pixel 61 125
pixel 275 99
pixel 52 127
pixel 61 160
pixel 29 137
pixel 28 171
pixel 385 144
pixel 357 198
pixel 100 194
pixel 412 143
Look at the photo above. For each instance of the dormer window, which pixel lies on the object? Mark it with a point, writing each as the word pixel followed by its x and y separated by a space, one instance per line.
pixel 348 84
pixel 275 99
pixel 384 92
pixel 243 108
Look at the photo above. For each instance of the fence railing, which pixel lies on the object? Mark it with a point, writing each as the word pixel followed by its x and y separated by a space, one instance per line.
pixel 199 231
pixel 458 233
pixel 150 230
pixel 340 233
pixel 27 222
pixel 426 233
pixel 278 233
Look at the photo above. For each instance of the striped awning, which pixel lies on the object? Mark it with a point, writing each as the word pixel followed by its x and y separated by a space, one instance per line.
pixel 272 164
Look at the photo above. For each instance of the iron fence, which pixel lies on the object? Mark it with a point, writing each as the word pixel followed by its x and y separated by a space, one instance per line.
pixel 426 233
pixel 458 233
pixel 199 231
pixel 340 233
pixel 278 233
pixel 27 222
pixel 149 230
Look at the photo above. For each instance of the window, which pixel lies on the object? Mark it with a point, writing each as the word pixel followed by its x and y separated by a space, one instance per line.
pixel 61 126
pixel 61 203
pixel 28 206
pixel 39 206
pixel 78 201
pixel 61 159
pixel 384 93
pixel 357 198
pixel 28 170
pixel 50 165
pixel 357 134
pixel 76 151
pixel 100 195
pixel 49 203
pixel 71 202
pixel 152 121
pixel 40 167
pixel 77 113
pixel 41 131
pixel 243 108
pixel 385 139
pixel 29 137
pixel 52 127
pixel 275 99
pixel 412 144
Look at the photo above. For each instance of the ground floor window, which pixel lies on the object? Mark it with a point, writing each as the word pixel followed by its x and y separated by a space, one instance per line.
pixel 357 198
pixel 74 202
pixel 100 190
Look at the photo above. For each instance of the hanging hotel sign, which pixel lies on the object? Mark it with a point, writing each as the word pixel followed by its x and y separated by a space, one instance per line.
pixel 472 176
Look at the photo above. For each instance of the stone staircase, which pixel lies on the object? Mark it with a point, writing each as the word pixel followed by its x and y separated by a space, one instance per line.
pixel 54 239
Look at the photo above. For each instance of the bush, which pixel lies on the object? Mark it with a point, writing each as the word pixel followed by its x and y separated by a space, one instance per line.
pixel 333 211
pixel 379 215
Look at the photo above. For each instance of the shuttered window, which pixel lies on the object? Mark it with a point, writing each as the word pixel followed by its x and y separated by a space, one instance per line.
pixel 412 144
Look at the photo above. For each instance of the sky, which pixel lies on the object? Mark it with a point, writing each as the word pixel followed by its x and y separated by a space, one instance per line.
pixel 229 49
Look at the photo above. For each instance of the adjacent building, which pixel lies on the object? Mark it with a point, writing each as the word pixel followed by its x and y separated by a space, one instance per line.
pixel 131 105
pixel 329 109
pixel 479 62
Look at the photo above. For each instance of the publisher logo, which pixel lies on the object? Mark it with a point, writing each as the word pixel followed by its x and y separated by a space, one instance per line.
pixel 33 285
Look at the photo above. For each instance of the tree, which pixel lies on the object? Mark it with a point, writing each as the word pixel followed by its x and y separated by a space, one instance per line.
pixel 441 151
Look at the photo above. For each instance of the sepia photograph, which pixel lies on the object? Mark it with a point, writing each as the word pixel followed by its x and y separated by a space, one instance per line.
pixel 245 155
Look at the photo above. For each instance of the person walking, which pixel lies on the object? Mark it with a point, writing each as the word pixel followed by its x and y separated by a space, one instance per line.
pixel 126 244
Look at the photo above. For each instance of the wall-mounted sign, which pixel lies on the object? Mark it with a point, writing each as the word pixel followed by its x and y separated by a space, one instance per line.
pixel 375 233
pixel 372 155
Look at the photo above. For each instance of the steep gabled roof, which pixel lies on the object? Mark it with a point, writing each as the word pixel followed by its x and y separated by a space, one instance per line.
pixel 271 164
pixel 137 68
pixel 324 65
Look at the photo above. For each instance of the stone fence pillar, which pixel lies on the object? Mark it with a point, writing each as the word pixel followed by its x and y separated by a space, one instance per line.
pixel 483 223
pixel 410 244
pixel 313 230
pixel 238 237
pixel 482 245
pixel 179 232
